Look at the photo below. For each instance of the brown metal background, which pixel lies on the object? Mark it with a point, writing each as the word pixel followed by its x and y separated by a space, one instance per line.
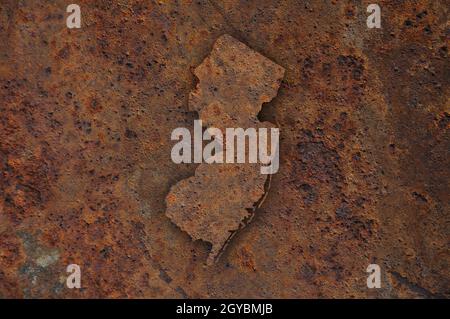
pixel 85 123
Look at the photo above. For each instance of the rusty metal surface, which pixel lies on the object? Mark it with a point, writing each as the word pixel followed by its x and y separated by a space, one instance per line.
pixel 221 198
pixel 86 118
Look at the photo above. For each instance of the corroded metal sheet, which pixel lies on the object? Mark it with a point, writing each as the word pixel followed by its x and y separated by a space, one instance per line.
pixel 220 198
pixel 86 117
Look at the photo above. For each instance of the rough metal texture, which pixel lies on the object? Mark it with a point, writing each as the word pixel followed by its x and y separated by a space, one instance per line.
pixel 85 123
pixel 219 199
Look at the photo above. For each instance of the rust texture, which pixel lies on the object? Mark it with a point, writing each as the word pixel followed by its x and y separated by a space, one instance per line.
pixel 85 122
pixel 221 198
